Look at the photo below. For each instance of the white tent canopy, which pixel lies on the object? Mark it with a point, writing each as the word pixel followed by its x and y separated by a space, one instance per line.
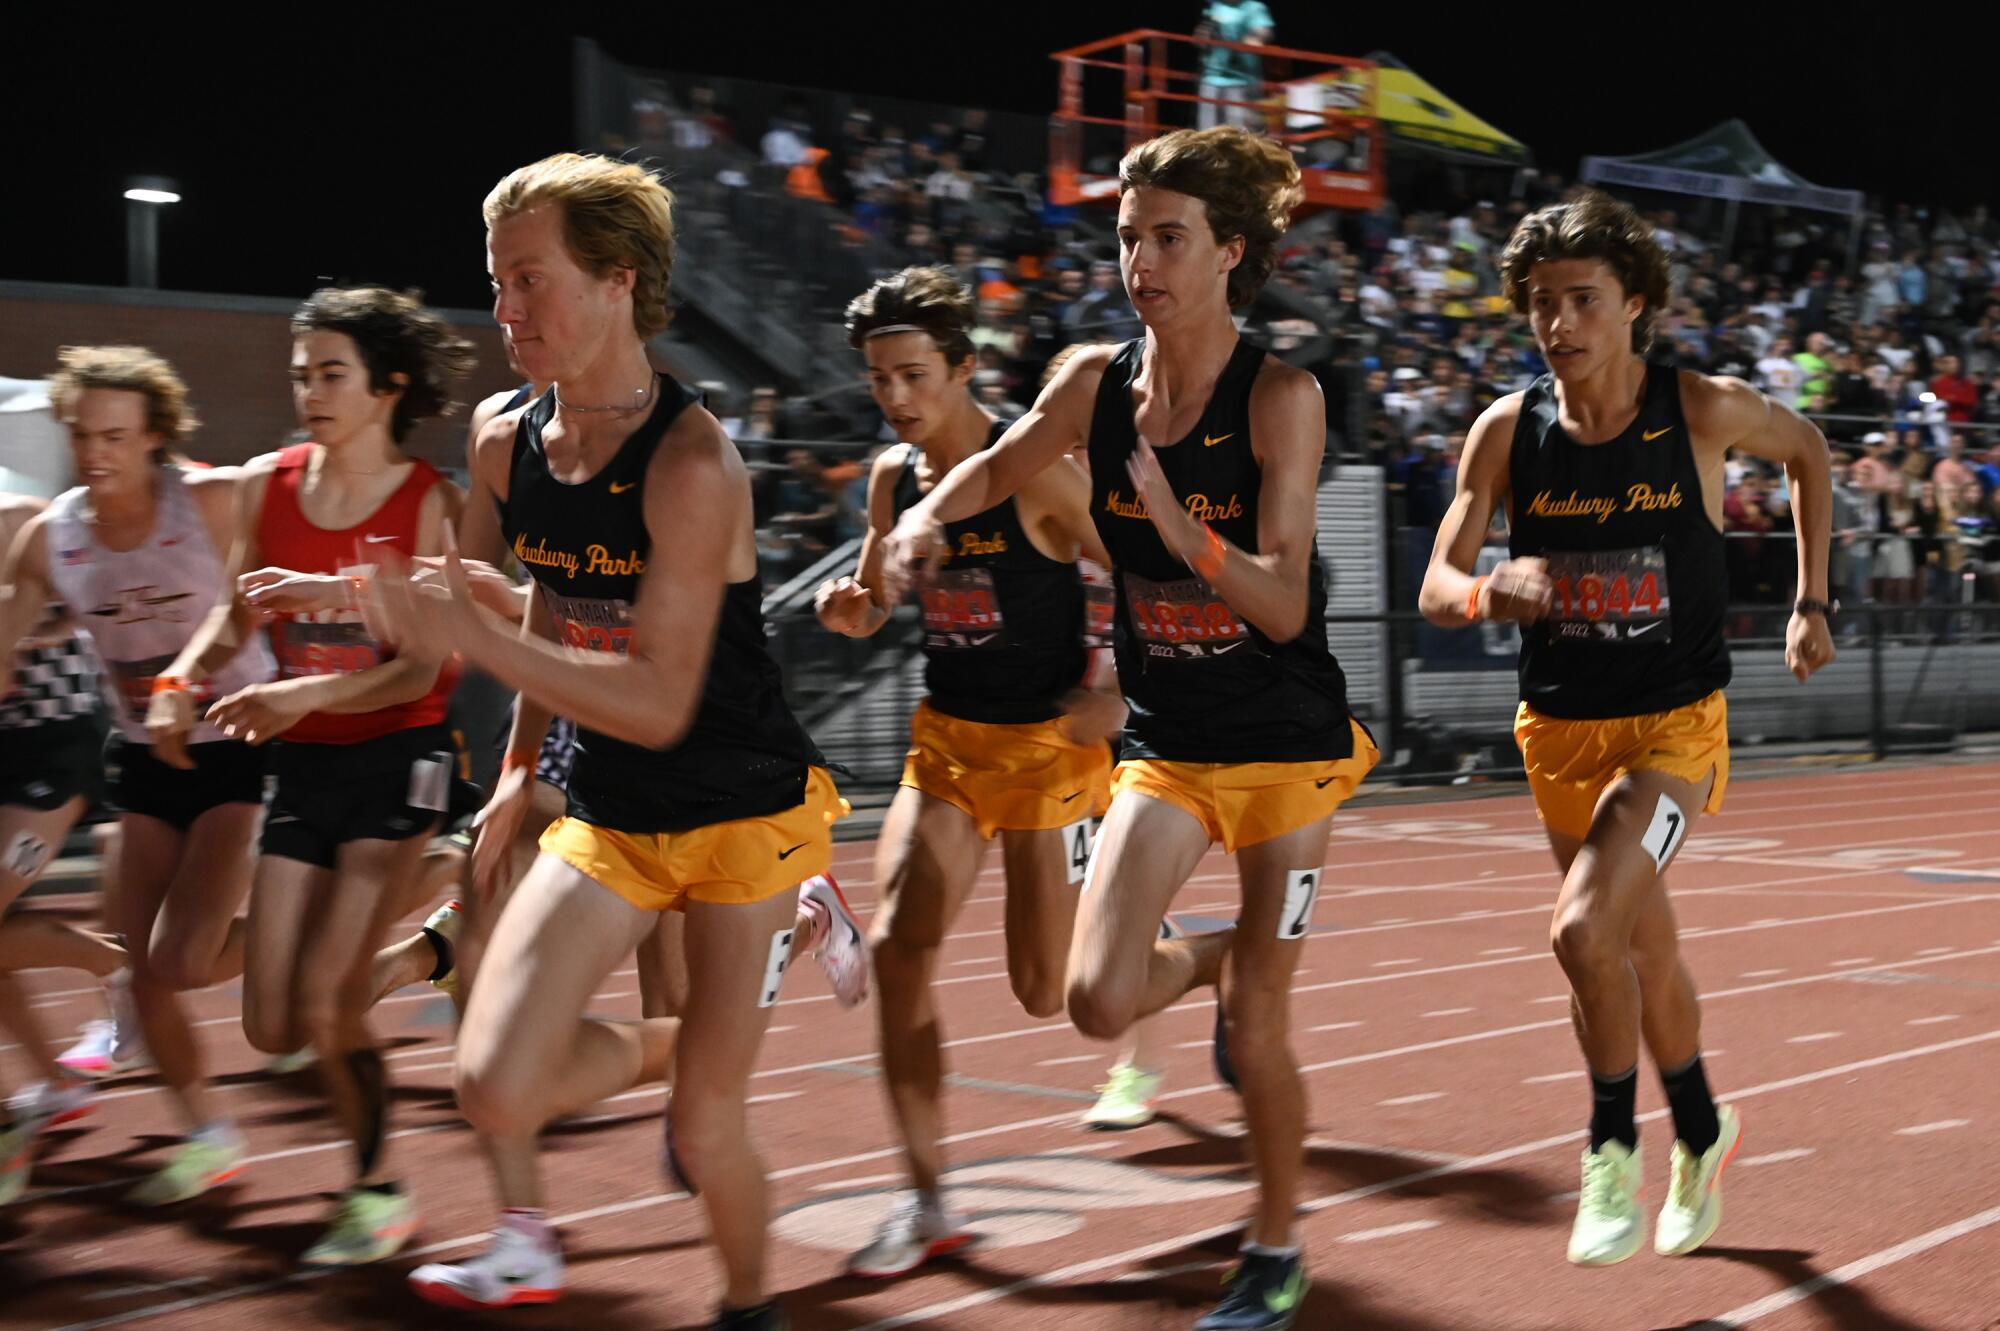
pixel 1726 162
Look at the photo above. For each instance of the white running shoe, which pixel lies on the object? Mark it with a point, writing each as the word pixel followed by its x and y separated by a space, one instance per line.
pixel 1694 1194
pixel 838 945
pixel 520 1268
pixel 912 1234
pixel 1126 1100
pixel 1609 1226
pixel 48 1103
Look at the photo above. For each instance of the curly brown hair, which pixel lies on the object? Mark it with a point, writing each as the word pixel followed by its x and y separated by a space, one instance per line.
pixel 929 299
pixel 1591 225
pixel 395 334
pixel 132 370
pixel 1248 184
pixel 615 215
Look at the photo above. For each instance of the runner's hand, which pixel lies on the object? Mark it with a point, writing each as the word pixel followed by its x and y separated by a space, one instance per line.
pixel 495 829
pixel 280 591
pixel 1516 589
pixel 1808 645
pixel 1182 535
pixel 914 546
pixel 262 712
pixel 169 721
pixel 490 587
pixel 419 615
pixel 1091 717
pixel 843 605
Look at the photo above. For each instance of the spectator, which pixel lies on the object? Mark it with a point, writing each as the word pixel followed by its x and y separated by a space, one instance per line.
pixel 1103 314
pixel 1230 75
pixel 785 142
pixel 1954 390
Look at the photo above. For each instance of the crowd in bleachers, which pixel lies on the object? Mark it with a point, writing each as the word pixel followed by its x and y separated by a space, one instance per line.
pixel 1894 347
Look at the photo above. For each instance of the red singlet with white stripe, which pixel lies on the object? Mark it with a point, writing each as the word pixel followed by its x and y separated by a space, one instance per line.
pixel 336 642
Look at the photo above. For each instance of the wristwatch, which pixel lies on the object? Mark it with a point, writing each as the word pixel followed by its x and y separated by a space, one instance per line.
pixel 1808 606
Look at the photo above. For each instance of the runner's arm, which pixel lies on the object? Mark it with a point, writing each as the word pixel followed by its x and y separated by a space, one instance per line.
pixel 232 622
pixel 1727 413
pixel 531 718
pixel 24 586
pixel 1482 490
pixel 698 507
pixel 833 601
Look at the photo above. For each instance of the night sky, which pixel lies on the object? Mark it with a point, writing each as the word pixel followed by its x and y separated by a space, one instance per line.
pixel 354 146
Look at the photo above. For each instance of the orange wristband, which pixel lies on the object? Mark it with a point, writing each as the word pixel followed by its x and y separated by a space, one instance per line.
pixel 1209 562
pixel 515 760
pixel 170 684
pixel 1472 600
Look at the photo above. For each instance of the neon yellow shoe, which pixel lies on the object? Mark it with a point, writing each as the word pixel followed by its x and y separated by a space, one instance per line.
pixel 196 1166
pixel 1694 1196
pixel 1609 1226
pixel 1126 1101
pixel 367 1226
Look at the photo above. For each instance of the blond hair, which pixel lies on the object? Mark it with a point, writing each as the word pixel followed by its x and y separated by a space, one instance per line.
pixel 615 215
pixel 131 370
pixel 1248 184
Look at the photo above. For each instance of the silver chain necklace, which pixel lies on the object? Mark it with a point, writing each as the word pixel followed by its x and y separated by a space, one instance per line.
pixel 644 396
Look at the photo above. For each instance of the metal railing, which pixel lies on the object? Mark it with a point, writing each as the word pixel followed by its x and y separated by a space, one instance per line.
pixel 1906 679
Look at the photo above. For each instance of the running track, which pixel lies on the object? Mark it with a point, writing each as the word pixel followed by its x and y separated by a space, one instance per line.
pixel 1844 928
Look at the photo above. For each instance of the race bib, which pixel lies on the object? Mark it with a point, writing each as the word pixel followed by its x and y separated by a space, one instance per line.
pixel 306 647
pixel 1610 596
pixel 962 611
pixel 1184 620
pixel 590 623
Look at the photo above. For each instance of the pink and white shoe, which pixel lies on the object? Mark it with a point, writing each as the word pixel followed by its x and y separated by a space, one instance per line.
pixel 837 942
pixel 114 1046
pixel 524 1266
pixel 46 1104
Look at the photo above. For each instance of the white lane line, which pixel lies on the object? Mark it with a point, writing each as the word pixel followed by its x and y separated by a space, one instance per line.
pixel 1390 1231
pixel 1335 1026
pixel 1923 1129
pixel 1814 1038
pixel 1394 919
pixel 1450 1012
pixel 1848 1274
pixel 866 1181
pixel 1932 1021
pixel 1397 961
pixel 1181 1242
pixel 1501 951
pixel 1775 1157
pixel 1552 998
pixel 1548 1078
pixel 1933 951
pixel 1417 1099
pixel 1763 974
pixel 1064 1062
pixel 976 961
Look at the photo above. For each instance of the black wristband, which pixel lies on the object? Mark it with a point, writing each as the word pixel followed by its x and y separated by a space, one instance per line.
pixel 1808 606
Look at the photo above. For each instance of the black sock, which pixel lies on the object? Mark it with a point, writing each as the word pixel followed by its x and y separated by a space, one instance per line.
pixel 371 1083
pixel 1694 1107
pixel 1612 1101
pixel 445 957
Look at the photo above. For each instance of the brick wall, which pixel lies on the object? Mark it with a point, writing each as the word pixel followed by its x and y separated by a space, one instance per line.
pixel 234 352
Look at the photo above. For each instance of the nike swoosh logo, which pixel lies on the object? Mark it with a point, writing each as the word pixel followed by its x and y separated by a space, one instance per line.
pixel 377 540
pixel 1211 440
pixel 787 854
pixel 1322 785
pixel 620 487
pixel 1650 435
pixel 1067 798
pixel 1230 648
pixel 1637 629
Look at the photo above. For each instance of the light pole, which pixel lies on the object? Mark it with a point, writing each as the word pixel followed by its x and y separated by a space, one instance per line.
pixel 144 197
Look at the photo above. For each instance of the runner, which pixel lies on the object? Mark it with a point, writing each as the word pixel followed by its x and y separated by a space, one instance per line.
pixel 1010 742
pixel 357 738
pixel 1611 473
pixel 693 787
pixel 134 552
pixel 1205 456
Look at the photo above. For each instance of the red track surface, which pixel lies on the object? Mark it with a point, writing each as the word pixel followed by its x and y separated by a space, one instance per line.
pixel 1844 928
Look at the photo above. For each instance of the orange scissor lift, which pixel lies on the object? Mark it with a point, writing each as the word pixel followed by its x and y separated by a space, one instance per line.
pixel 1320 106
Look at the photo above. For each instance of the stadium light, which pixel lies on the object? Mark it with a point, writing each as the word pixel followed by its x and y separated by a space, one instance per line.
pixel 144 197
